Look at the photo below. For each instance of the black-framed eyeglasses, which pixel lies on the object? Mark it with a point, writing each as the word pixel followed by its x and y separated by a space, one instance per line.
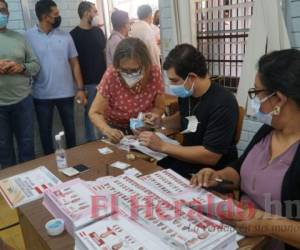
pixel 253 92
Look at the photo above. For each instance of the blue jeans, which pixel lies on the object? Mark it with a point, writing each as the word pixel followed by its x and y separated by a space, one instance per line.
pixel 17 120
pixel 91 90
pixel 45 111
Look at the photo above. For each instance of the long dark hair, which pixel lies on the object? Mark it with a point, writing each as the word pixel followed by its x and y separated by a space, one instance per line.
pixel 280 71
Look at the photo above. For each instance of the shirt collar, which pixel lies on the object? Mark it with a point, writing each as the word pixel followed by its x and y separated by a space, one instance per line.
pixel 117 33
pixel 37 28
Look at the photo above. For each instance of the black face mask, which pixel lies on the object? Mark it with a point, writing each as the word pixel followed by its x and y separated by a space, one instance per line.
pixel 57 22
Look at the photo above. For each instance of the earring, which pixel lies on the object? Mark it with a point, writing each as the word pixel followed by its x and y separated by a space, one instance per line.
pixel 276 110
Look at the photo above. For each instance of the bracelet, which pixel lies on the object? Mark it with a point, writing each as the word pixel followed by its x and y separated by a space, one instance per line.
pixel 81 89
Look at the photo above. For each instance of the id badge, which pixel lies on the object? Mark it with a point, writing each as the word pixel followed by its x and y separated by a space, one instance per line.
pixel 192 125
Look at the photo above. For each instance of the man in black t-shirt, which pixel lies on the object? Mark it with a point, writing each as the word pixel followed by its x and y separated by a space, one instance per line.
pixel 90 43
pixel 207 117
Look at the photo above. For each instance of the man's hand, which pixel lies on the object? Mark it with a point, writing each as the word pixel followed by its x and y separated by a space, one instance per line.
pixel 153 120
pixel 152 141
pixel 81 97
pixel 4 65
pixel 13 68
pixel 113 135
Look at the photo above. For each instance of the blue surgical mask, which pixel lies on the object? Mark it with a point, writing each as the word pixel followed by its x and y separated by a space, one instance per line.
pixel 3 20
pixel 265 118
pixel 181 91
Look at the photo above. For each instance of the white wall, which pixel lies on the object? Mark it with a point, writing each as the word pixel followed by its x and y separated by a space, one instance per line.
pixel 68 11
pixel 293 21
pixel 16 21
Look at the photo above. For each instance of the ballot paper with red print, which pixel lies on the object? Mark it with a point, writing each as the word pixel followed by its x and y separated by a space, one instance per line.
pixel 27 186
pixel 186 229
pixel 72 201
pixel 174 185
pixel 117 233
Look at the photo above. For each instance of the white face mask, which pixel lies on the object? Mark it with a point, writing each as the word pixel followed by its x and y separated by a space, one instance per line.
pixel 131 79
pixel 255 105
pixel 95 21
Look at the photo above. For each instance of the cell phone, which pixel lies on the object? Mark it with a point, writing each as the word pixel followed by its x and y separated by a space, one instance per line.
pixel 81 168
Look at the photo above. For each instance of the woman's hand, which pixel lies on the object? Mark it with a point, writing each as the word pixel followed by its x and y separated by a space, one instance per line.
pixel 205 178
pixel 114 135
pixel 153 120
pixel 251 222
pixel 151 140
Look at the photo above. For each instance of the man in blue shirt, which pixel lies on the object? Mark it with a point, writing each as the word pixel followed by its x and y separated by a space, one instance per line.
pixel 55 85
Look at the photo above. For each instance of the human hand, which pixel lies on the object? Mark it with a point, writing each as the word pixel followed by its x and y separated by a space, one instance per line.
pixel 153 120
pixel 114 135
pixel 81 97
pixel 206 177
pixel 151 140
pixel 14 68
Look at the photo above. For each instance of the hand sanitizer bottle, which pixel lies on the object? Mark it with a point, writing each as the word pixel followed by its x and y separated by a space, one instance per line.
pixel 60 153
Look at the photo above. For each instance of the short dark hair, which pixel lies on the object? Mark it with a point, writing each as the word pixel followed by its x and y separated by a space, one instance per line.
pixel 130 48
pixel 185 59
pixel 156 18
pixel 43 7
pixel 144 11
pixel 83 7
pixel 6 4
pixel 280 71
pixel 118 19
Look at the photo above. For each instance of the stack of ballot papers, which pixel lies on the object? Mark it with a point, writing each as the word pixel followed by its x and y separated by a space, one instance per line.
pixel 121 233
pixel 28 186
pixel 72 202
pixel 186 230
pixel 174 185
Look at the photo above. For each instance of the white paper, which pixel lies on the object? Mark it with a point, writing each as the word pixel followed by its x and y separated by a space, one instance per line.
pixel 27 187
pixel 120 165
pixel 133 172
pixel 167 139
pixel 105 151
pixel 192 125
pixel 129 142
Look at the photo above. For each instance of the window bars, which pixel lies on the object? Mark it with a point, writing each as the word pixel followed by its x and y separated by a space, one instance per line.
pixel 222 30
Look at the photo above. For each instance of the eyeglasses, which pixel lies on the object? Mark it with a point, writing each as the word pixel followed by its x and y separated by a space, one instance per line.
pixel 130 71
pixel 253 92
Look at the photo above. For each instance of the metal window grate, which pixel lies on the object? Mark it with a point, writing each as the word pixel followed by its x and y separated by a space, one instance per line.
pixel 222 29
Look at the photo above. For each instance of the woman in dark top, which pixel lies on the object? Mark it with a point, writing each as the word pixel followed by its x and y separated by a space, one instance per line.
pixel 268 173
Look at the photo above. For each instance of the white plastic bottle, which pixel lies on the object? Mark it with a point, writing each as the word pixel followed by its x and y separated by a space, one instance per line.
pixel 60 153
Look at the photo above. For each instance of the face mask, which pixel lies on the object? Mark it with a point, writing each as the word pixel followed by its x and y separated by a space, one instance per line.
pixel 57 22
pixel 95 21
pixel 255 105
pixel 3 20
pixel 131 79
pixel 181 91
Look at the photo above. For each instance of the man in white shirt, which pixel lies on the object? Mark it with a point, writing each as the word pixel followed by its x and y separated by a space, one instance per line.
pixel 142 30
